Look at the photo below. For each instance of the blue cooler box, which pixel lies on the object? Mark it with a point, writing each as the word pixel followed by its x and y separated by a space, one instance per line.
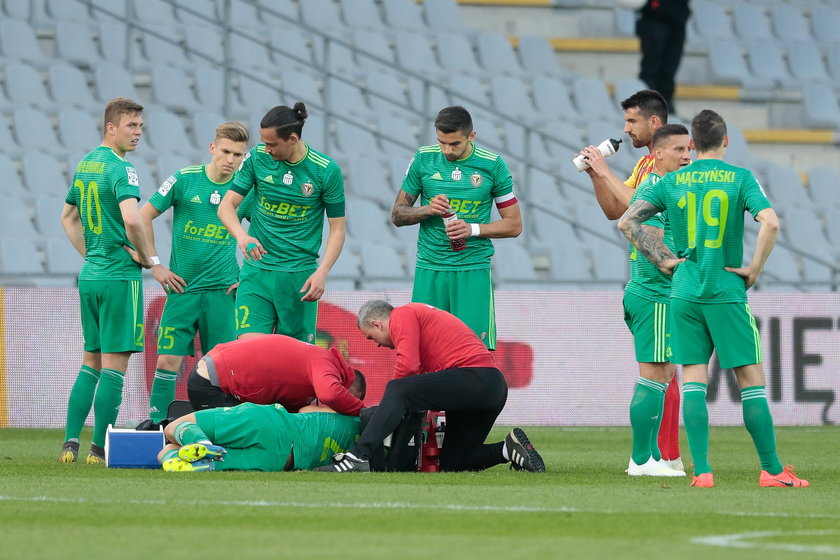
pixel 132 449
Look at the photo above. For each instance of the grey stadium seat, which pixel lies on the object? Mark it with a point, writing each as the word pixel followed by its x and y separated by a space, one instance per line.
pixel 512 262
pixel 727 65
pixel 204 125
pixel 593 100
pixel 825 20
pixel 785 188
pixel 806 62
pixel 362 14
pixel 210 87
pixel 387 94
pixel 77 130
pixel 444 15
pixel 511 99
pixel 34 130
pixel 347 98
pixel 711 21
pixel 257 95
pixel 11 178
pixel 165 132
pixel 403 14
pixel 25 87
pixel 62 257
pixel 553 100
pixel 751 21
pixel 538 57
pixel 609 261
pixel 789 23
pixel 381 263
pixel 113 81
pixel 367 220
pixel 803 228
pixel 204 44
pixel 377 45
pixel 352 139
pixel 824 184
pixel 155 12
pixel 75 43
pixel 43 174
pixel 820 105
pixel 190 12
pixel 110 11
pixel 767 62
pixel 18 41
pixel 368 177
pixel 302 86
pixel 322 14
pixel 20 256
pixel 47 216
pixel 70 86
pixel 16 219
pixel 497 55
pixel 456 54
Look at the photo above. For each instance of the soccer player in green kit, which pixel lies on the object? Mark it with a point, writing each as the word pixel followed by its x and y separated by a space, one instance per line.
pixel 253 437
pixel 456 175
pixel 102 221
pixel 646 314
pixel 706 202
pixel 203 272
pixel 293 187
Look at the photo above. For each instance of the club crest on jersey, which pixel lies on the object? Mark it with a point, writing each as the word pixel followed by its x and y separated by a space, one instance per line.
pixel 215 198
pixel 307 189
pixel 476 179
pixel 457 174
pixel 287 178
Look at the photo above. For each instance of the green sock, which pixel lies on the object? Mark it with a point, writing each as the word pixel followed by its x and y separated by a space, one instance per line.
pixel 171 454
pixel 645 410
pixel 654 435
pixel 189 432
pixel 163 393
pixel 81 399
pixel 696 420
pixel 106 403
pixel 759 424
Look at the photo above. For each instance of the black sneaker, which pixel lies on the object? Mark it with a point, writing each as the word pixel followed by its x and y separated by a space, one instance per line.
pixel 522 454
pixel 345 462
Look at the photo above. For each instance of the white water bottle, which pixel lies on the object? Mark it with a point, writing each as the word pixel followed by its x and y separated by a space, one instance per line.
pixel 608 147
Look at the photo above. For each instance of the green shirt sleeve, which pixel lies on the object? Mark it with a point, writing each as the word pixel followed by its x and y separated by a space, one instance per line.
pixel 164 197
pixel 656 193
pixel 333 195
pixel 754 196
pixel 412 181
pixel 125 182
pixel 502 180
pixel 244 180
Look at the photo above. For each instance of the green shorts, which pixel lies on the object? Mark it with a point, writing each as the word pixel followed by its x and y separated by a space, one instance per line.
pixel 212 314
pixel 260 437
pixel 648 321
pixel 697 329
pixel 268 301
pixel 112 315
pixel 467 294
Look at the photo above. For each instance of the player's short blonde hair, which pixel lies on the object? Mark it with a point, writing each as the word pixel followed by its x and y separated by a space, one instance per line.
pixel 118 107
pixel 232 130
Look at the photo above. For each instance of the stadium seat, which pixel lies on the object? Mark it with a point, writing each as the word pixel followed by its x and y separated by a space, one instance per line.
pixel 18 42
pixel 16 219
pixel 368 220
pixel 284 11
pixel 252 53
pixel 538 58
pixel 113 81
pixel 806 62
pixel 167 164
pixel 782 266
pixel 25 87
pixel 165 132
pixel 204 125
pixel 751 21
pixel 512 99
pixel 368 177
pixel 789 23
pixel 75 43
pixel 375 45
pixel 347 98
pixel 246 15
pixel 301 86
pixel 497 55
pixel 553 100
pixel 444 15
pixel 34 130
pixel 388 95
pixel 512 263
pixel 197 12
pixel 353 139
pixel 204 45
pixel 153 13
pixel 609 261
pixel 767 62
pixel 295 49
pixel 257 95
pixel 68 84
pixel 825 19
pixel 210 88
pixel 362 14
pixel 593 100
pixel 48 216
pixel 345 272
pixel 7 139
pixel 456 54
pixel 570 262
pixel 20 255
pixel 820 106
pixel 711 21
pixel 18 10
pixel 414 52
pixel 738 151
pixel 625 87
pixel 110 11
pixel 12 184
pixel 470 92
pixel 113 46
pixel 321 14
pixel 728 67
pixel 149 182
pixel 61 256
pixel 551 225
pixel 625 22
pixel 784 187
pixel 403 14
pixel 160 45
pixel 833 60
pixel 77 130
pixel 398 136
pixel 380 263
pixel 824 185
pixel 43 174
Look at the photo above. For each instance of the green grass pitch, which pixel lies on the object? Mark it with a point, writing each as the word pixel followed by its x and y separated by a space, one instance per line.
pixel 583 507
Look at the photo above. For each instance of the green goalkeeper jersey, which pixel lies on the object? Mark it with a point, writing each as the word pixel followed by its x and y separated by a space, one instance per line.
pixel 472 185
pixel 645 279
pixel 706 201
pixel 203 252
pixel 101 181
pixel 289 203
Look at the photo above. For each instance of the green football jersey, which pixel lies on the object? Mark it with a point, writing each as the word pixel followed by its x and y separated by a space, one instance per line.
pixel 472 185
pixel 203 252
pixel 101 181
pixel 706 201
pixel 290 200
pixel 645 279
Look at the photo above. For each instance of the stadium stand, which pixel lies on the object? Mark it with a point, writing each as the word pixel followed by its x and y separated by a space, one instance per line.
pixel 375 72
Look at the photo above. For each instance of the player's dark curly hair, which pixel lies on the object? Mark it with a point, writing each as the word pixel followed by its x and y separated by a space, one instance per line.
pixel 649 102
pixel 286 120
pixel 454 119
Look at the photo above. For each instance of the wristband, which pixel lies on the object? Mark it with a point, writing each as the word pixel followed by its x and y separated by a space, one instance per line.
pixel 155 260
pixel 476 229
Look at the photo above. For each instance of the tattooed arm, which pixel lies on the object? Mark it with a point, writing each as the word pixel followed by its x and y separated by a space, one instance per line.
pixel 404 213
pixel 646 241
